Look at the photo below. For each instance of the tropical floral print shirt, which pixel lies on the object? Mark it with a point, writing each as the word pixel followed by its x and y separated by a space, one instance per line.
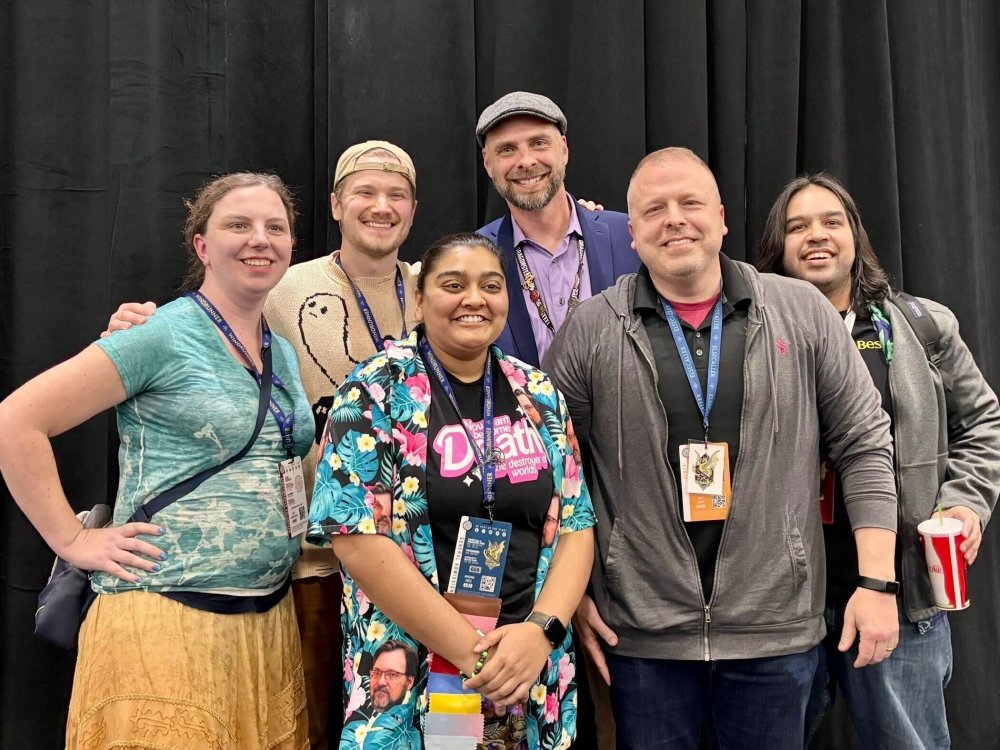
pixel 376 439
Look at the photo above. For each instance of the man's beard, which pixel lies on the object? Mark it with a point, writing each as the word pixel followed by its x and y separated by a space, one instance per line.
pixel 535 201
pixel 381 699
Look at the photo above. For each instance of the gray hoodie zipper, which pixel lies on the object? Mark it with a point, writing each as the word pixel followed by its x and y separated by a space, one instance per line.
pixel 753 328
pixel 627 330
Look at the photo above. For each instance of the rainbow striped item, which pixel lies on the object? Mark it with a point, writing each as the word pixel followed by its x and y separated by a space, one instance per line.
pixel 454 718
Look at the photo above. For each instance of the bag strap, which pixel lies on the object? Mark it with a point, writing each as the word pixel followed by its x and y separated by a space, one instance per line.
pixel 923 325
pixel 158 503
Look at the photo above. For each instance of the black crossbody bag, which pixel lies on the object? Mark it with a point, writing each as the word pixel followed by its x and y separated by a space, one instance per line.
pixel 67 596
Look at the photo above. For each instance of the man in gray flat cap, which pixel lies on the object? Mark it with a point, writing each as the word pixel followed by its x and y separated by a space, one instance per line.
pixel 560 252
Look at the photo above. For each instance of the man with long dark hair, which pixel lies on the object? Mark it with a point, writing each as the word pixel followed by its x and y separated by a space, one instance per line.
pixel 814 233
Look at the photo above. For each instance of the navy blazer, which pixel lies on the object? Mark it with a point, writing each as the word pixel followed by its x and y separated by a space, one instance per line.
pixel 608 247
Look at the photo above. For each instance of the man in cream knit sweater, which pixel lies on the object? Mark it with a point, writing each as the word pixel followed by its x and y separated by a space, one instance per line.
pixel 333 309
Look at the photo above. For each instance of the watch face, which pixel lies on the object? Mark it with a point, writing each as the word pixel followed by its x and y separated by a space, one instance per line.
pixel 555 631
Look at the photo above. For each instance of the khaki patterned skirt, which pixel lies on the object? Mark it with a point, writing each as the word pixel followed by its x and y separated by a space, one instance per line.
pixel 154 673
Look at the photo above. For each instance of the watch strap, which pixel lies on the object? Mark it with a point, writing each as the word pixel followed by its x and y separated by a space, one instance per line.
pixel 551 626
pixel 877 584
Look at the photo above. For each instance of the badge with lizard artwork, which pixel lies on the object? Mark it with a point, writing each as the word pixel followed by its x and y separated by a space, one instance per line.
pixel 480 557
pixel 706 484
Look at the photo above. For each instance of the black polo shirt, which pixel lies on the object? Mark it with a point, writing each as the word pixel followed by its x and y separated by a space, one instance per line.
pixel 683 416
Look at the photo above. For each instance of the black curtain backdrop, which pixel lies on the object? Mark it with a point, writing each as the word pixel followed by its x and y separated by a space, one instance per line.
pixel 111 111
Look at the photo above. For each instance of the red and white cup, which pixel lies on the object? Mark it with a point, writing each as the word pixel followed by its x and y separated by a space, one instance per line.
pixel 941 539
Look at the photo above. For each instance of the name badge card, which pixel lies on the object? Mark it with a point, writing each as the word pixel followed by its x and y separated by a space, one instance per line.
pixel 706 485
pixel 293 496
pixel 480 557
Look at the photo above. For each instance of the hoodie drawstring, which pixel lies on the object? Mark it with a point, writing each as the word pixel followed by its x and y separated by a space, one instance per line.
pixel 771 375
pixel 621 409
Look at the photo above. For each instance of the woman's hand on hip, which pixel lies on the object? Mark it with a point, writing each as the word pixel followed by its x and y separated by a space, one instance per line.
pixel 112 548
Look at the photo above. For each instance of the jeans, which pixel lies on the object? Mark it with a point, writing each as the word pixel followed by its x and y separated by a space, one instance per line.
pixel 897 704
pixel 749 703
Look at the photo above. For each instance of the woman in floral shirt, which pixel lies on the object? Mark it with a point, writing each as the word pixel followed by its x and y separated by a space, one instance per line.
pixel 383 443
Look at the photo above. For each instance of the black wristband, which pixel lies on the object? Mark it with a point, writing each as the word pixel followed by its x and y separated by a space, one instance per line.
pixel 877 584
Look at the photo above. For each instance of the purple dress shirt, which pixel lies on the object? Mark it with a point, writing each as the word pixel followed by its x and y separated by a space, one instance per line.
pixel 554 274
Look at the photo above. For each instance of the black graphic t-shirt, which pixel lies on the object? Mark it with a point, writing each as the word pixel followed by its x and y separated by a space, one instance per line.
pixel 524 487
pixel 841 549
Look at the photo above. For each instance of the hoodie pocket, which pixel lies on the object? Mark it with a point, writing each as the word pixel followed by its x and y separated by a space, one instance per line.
pixel 797 557
pixel 613 565
pixel 645 587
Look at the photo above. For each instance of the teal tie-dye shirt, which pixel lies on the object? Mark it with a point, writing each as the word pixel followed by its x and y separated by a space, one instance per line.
pixel 191 406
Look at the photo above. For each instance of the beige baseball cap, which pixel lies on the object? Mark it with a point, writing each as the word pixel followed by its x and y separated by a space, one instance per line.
pixel 359 157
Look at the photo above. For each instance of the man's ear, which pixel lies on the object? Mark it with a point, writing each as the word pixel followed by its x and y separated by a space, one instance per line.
pixel 336 209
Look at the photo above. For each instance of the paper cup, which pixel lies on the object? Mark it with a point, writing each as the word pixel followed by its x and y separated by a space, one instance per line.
pixel 941 539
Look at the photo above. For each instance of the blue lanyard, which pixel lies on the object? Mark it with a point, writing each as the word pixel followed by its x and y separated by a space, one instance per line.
pixel 705 404
pixel 366 310
pixel 286 424
pixel 488 457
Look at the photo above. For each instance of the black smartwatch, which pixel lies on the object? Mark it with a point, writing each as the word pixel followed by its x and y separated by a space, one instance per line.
pixel 554 630
pixel 877 584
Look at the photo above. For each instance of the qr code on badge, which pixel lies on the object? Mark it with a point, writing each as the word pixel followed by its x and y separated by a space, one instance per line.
pixel 488 584
pixel 718 502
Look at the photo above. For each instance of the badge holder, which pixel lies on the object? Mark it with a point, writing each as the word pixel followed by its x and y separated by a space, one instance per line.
pixel 706 484
pixel 293 496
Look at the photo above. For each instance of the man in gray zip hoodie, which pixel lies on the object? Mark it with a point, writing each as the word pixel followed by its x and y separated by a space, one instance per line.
pixel 701 356
pixel 946 425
